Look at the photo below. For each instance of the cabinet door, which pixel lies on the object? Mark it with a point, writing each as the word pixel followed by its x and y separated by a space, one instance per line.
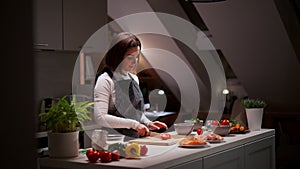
pixel 195 164
pixel 47 24
pixel 81 19
pixel 229 159
pixel 260 154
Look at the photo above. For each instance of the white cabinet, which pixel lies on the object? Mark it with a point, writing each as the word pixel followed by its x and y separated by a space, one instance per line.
pixel 67 24
pixel 260 154
pixel 47 24
pixel 254 150
pixel 195 164
pixel 228 159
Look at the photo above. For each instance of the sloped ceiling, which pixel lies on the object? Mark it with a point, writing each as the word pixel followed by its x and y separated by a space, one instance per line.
pixel 253 39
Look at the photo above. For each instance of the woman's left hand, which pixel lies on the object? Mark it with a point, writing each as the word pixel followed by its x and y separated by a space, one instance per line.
pixel 156 125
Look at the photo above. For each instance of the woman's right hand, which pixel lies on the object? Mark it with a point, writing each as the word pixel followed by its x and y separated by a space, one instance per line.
pixel 143 130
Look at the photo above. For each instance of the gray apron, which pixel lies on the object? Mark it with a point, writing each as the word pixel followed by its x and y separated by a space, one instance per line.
pixel 129 103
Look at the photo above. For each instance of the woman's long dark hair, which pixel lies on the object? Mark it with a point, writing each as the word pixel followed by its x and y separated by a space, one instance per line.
pixel 115 55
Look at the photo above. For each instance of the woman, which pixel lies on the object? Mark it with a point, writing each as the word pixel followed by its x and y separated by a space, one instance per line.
pixel 118 100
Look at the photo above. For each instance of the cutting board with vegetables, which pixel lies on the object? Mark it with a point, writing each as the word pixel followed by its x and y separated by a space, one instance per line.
pixel 155 139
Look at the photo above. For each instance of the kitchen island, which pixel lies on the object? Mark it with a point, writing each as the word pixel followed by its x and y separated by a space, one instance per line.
pixel 255 149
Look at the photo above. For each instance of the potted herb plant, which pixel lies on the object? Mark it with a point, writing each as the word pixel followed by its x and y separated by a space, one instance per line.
pixel 254 112
pixel 64 121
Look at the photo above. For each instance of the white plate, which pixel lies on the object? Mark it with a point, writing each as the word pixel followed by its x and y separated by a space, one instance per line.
pixel 194 146
pixel 215 141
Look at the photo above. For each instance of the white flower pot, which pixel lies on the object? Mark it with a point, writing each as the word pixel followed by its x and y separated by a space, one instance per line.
pixel 254 118
pixel 63 145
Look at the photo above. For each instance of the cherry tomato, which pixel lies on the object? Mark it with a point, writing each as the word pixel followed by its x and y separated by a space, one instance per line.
pixel 92 155
pixel 232 129
pixel 144 150
pixel 105 156
pixel 115 155
pixel 242 128
pixel 165 136
pixel 215 123
pixel 225 122
pixel 199 131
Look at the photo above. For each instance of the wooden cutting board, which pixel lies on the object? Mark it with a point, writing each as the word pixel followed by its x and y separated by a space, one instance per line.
pixel 154 139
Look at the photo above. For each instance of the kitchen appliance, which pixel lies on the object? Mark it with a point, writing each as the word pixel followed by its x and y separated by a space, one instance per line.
pixel 45 105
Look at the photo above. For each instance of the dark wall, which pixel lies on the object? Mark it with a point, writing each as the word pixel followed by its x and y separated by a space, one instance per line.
pixel 53 75
pixel 258 48
pixel 17 117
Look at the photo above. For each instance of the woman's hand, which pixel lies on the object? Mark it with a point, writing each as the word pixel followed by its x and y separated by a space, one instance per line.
pixel 143 130
pixel 156 125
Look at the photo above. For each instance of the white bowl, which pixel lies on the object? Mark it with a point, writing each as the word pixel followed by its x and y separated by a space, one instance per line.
pixel 222 130
pixel 197 125
pixel 183 128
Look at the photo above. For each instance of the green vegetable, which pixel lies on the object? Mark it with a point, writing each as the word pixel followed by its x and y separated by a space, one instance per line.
pixel 195 120
pixel 83 151
pixel 234 122
pixel 254 103
pixel 117 146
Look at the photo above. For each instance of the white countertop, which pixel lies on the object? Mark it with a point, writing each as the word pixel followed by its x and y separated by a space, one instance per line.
pixel 162 156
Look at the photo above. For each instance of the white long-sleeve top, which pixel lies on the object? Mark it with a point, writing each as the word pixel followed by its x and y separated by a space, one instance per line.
pixel 104 98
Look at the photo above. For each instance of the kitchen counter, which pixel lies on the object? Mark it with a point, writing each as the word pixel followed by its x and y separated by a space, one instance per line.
pixel 255 149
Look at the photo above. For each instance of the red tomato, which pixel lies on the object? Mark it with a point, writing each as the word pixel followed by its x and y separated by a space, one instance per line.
pixel 225 122
pixel 165 136
pixel 115 155
pixel 144 150
pixel 215 123
pixel 89 151
pixel 92 155
pixel 105 156
pixel 199 131
pixel 100 153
